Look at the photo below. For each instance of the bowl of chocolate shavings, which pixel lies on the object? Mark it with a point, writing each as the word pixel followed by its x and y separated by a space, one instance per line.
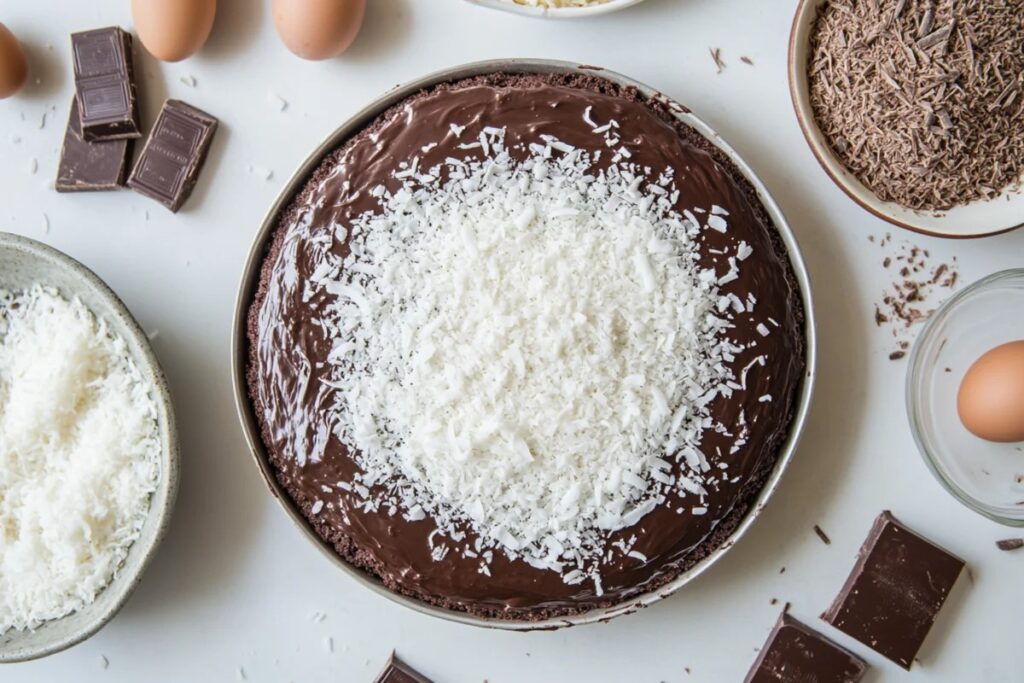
pixel 915 108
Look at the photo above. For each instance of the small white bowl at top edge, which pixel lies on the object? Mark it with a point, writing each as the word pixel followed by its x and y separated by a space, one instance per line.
pixel 556 12
pixel 978 219
pixel 23 263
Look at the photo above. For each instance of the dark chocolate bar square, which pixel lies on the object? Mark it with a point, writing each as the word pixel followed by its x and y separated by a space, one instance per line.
pixel 169 165
pixel 91 166
pixel 895 592
pixel 398 671
pixel 796 653
pixel 105 84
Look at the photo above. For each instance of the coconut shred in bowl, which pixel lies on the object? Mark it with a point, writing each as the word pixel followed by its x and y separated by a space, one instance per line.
pixel 79 453
pixel 524 347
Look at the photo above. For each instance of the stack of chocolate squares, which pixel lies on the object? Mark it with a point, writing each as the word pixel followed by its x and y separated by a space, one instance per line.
pixel 104 123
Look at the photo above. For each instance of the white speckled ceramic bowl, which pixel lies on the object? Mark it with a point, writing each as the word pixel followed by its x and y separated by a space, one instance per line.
pixel 250 276
pixel 977 219
pixel 557 12
pixel 24 262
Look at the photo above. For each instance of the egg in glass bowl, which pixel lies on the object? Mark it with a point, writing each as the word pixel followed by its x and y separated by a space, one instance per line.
pixel 952 398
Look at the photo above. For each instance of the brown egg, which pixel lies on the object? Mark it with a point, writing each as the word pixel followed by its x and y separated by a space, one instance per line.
pixel 173 30
pixel 991 398
pixel 13 64
pixel 318 29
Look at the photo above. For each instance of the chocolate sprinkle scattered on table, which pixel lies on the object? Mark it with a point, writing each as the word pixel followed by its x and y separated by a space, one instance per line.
pixel 1010 544
pixel 922 99
pixel 822 535
pixel 915 292
pixel 716 55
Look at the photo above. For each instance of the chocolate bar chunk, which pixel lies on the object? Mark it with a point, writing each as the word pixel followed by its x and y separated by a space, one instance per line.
pixel 91 166
pixel 398 671
pixel 168 168
pixel 895 591
pixel 105 84
pixel 796 653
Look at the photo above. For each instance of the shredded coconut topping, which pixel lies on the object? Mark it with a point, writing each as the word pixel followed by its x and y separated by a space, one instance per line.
pixel 524 349
pixel 78 456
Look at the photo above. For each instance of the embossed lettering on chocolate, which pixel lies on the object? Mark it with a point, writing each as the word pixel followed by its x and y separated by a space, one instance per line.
pixel 525 346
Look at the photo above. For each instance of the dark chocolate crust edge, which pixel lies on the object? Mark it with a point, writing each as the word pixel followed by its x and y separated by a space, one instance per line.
pixel 342 544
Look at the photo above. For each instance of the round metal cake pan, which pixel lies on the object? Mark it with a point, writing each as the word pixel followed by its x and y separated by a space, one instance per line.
pixel 250 279
pixel 24 263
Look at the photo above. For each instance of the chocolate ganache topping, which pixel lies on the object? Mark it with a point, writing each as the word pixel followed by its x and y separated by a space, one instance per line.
pixel 289 347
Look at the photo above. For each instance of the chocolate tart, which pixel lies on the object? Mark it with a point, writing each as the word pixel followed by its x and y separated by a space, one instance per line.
pixel 280 352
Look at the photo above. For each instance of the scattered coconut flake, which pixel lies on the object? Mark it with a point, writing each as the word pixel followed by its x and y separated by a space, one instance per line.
pixel 104 662
pixel 636 555
pixel 716 222
pixel 261 172
pixel 188 80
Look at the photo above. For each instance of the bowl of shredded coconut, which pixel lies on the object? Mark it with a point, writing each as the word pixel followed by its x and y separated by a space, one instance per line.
pixel 558 9
pixel 88 451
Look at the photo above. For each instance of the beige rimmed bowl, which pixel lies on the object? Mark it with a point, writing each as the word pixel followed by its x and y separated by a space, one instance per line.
pixel 250 280
pixel 23 263
pixel 978 219
pixel 557 12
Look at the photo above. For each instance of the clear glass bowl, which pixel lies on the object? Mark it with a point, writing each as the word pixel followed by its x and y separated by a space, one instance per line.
pixel 986 477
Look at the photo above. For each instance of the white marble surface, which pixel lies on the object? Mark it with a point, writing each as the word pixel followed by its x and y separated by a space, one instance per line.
pixel 234 585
